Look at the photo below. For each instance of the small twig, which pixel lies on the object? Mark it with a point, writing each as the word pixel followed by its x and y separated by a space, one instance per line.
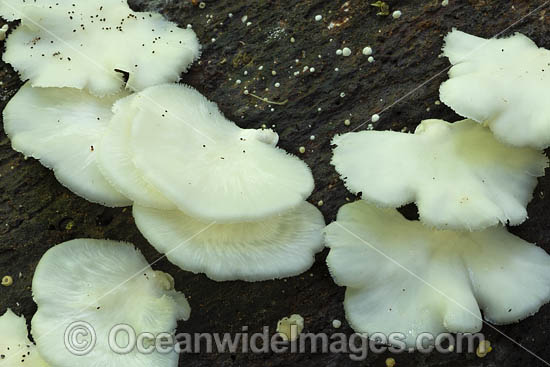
pixel 267 100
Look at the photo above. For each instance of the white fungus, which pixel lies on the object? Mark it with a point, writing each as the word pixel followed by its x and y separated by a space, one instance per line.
pixel 367 51
pixel 339 52
pixel 16 350
pixel 62 127
pixel 481 181
pixel 461 272
pixel 92 44
pixel 318 18
pixel 370 59
pixel 336 323
pixel 247 250
pixel 202 162
pixel 277 85
pixel 346 52
pixel 104 284
pixel 445 3
pixel 276 247
pixel 503 83
pixel 396 14
pixel 375 118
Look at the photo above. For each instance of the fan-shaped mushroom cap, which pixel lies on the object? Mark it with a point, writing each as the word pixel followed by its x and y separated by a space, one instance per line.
pixel 15 347
pixel 105 284
pixel 504 83
pixel 205 164
pixel 458 174
pixel 89 44
pixel 115 160
pixel 403 277
pixel 62 127
pixel 276 247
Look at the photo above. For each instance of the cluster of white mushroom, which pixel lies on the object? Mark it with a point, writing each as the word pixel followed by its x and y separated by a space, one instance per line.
pixel 213 197
pixel 101 109
pixel 85 288
pixel 77 57
pixel 468 179
pixel 225 201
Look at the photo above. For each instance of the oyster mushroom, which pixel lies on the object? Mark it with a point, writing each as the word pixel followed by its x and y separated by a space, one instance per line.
pixel 209 167
pixel 276 247
pixel 103 284
pixel 93 44
pixel 214 198
pixel 16 350
pixel 62 127
pixel 503 83
pixel 459 175
pixel 404 277
pixel 204 164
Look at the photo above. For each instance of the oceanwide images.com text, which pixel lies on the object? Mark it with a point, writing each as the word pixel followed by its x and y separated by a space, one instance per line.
pixel 81 338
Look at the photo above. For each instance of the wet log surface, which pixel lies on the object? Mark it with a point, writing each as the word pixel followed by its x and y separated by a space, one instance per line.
pixel 36 212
